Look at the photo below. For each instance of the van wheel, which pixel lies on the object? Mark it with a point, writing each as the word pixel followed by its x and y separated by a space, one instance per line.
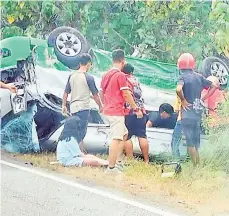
pixel 213 66
pixel 68 44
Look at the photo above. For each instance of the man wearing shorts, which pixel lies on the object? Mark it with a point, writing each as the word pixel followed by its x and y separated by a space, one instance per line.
pixel 189 88
pixel 80 84
pixel 136 126
pixel 114 93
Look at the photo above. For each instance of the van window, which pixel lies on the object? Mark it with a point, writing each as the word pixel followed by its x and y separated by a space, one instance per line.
pixel 95 117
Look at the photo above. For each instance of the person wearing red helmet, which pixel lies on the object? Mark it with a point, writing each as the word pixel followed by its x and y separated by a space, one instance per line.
pixel 189 88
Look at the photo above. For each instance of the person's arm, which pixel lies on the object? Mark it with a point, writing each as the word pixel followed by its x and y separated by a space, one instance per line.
pixel 3 85
pixel 101 95
pixel 12 88
pixel 129 98
pixel 152 118
pixel 211 88
pixel 67 91
pixel 149 124
pixel 180 94
pixel 94 90
pixel 123 86
pixel 177 105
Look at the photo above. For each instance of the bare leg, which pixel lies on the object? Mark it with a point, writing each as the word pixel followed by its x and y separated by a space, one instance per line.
pixel 89 156
pixel 197 156
pixel 94 162
pixel 113 152
pixel 144 146
pixel 128 149
pixel 193 154
pixel 120 155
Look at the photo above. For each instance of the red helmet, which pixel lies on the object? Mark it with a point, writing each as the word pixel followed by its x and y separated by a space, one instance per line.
pixel 186 61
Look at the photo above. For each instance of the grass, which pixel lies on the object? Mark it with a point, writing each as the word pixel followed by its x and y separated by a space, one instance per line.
pixel 197 189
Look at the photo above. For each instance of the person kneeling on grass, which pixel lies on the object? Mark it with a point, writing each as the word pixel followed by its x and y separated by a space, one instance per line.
pixel 68 151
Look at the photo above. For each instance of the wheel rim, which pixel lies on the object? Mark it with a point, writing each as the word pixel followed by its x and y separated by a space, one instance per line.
pixel 68 44
pixel 220 71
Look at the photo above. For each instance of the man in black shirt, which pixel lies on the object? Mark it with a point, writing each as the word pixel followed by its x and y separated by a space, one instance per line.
pixel 189 88
pixel 165 118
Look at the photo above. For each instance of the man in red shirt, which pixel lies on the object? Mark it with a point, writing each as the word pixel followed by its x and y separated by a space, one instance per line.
pixel 114 94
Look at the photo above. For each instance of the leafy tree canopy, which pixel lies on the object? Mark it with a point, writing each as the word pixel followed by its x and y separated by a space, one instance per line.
pixel 160 30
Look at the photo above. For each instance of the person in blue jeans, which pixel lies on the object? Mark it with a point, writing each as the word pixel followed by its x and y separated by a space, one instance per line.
pixel 177 132
pixel 68 151
pixel 176 140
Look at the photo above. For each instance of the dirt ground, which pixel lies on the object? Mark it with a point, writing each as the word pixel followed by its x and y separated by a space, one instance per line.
pixel 196 192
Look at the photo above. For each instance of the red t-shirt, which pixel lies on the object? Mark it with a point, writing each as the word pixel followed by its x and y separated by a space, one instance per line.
pixel 112 84
pixel 213 101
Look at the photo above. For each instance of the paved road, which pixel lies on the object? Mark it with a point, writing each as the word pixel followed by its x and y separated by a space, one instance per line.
pixel 29 194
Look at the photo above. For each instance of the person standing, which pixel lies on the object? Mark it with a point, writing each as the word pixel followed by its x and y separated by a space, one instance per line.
pixel 213 102
pixel 135 126
pixel 189 88
pixel 80 84
pixel 114 93
pixel 177 132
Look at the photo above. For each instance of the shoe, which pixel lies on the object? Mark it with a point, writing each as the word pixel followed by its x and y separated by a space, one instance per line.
pixel 114 170
pixel 120 166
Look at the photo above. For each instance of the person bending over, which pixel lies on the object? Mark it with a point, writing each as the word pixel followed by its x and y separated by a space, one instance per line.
pixel 166 118
pixel 68 151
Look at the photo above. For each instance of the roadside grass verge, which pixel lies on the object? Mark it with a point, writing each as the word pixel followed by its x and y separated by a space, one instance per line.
pixel 193 189
pixel 205 189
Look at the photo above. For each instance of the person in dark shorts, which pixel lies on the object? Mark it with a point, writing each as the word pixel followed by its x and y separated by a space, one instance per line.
pixel 189 88
pixel 165 118
pixel 135 126
pixel 80 84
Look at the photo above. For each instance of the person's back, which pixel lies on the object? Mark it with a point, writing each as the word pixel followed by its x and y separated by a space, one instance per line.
pixel 114 93
pixel 80 92
pixel 193 84
pixel 67 151
pixel 112 98
pixel 80 84
pixel 189 88
pixel 135 88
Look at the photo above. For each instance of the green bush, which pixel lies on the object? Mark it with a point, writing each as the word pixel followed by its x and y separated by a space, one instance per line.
pixel 215 154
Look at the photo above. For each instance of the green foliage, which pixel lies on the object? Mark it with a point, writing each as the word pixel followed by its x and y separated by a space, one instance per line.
pixel 220 19
pixel 161 30
pixel 216 151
